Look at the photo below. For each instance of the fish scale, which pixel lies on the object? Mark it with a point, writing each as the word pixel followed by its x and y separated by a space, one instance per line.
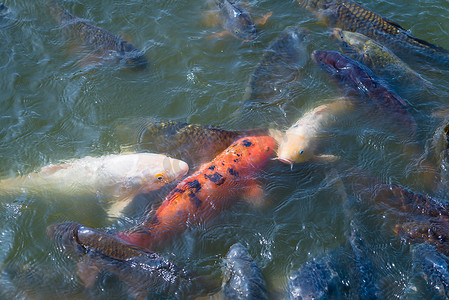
pixel 351 16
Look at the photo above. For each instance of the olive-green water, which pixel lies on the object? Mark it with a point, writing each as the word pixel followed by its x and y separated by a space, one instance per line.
pixel 54 107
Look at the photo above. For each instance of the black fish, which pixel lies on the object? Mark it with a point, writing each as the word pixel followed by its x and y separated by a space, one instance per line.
pixel 363 81
pixel 140 270
pixel 99 41
pixel 242 278
pixel 280 65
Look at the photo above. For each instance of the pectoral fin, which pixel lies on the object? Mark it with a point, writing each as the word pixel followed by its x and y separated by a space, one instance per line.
pixel 117 205
pixel 219 34
pixel 325 158
pixel 87 273
pixel 264 19
pixel 254 194
pixel 210 18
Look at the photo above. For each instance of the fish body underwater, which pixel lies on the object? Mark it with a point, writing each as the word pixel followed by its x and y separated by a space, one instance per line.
pixel 98 41
pixel 360 79
pixel 379 58
pixel 202 196
pixel 242 277
pixel 350 16
pixel 194 143
pixel 236 20
pixel 140 270
pixel 115 179
pixel 280 65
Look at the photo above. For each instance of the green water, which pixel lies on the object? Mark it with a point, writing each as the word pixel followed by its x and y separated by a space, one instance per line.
pixel 53 108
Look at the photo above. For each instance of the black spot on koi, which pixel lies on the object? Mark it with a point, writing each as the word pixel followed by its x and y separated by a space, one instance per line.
pixel 215 178
pixel 194 199
pixel 233 172
pixel 246 143
pixel 195 184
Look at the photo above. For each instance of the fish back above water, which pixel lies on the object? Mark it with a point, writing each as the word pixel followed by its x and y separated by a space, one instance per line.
pixel 242 278
pixel 236 20
pixel 280 65
pixel 350 16
pixel 364 82
pixel 140 270
pixel 114 178
pixel 98 41
pixel 202 196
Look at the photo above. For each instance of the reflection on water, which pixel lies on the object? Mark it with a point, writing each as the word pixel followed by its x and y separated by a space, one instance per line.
pixel 53 108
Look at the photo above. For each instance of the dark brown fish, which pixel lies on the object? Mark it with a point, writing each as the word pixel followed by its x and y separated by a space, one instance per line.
pixel 431 232
pixel 364 82
pixel 236 20
pixel 279 65
pixel 100 42
pixel 350 16
pixel 140 270
pixel 195 143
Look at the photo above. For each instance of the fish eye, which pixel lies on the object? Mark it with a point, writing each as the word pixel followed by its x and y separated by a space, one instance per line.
pixel 301 151
pixel 159 176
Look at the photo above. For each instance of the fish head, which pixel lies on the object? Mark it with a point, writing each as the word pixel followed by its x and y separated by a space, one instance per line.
pixel 132 57
pixel 67 234
pixel 353 40
pixel 332 61
pixel 244 28
pixel 151 175
pixel 295 149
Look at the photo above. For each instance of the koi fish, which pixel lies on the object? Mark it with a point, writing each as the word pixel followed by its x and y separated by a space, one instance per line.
pixel 279 65
pixel 140 270
pixel 363 81
pixel 236 20
pixel 115 179
pixel 196 144
pixel 100 42
pixel 3 10
pixel 379 58
pixel 242 277
pixel 350 16
pixel 300 141
pixel 433 267
pixel 203 195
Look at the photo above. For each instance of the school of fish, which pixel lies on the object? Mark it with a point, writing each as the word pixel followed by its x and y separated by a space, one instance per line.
pixel 226 165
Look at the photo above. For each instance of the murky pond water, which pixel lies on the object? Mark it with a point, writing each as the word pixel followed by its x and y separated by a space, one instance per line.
pixel 55 107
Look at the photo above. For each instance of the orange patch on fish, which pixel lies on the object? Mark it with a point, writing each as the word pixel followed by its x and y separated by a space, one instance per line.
pixel 203 195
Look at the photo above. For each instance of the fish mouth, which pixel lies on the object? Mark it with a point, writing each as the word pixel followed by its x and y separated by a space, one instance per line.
pixel 285 161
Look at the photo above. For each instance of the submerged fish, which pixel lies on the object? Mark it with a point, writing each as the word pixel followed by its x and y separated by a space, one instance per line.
pixel 205 194
pixel 300 141
pixel 433 267
pixel 280 65
pixel 236 20
pixel 379 58
pixel 114 178
pixel 363 81
pixel 98 41
pixel 242 278
pixel 193 143
pixel 3 10
pixel 140 270
pixel 350 16
pixel 316 279
pixel 440 148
